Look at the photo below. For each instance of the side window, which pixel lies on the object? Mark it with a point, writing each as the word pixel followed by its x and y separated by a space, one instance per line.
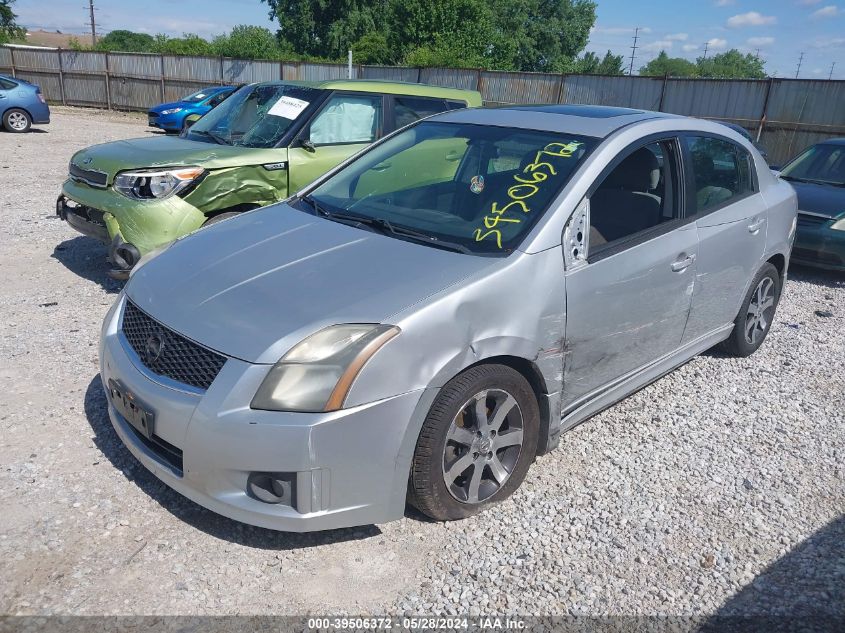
pixel 7 85
pixel 721 170
pixel 348 119
pixel 409 109
pixel 639 194
pixel 218 99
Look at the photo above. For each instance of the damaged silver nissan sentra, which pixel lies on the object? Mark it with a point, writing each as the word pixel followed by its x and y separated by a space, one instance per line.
pixel 423 321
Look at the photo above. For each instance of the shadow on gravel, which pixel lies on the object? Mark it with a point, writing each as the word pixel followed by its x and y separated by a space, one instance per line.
pixel 186 510
pixel 803 591
pixel 88 258
pixel 817 276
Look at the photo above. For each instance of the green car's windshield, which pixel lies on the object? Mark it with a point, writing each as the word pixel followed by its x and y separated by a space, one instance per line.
pixel 822 164
pixel 255 116
pixel 467 187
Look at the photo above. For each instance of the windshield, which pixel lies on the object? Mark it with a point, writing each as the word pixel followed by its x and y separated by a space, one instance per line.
pixel 823 164
pixel 196 96
pixel 254 116
pixel 477 188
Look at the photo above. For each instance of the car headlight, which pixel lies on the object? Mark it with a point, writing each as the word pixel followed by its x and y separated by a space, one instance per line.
pixel 839 225
pixel 317 373
pixel 150 184
pixel 171 111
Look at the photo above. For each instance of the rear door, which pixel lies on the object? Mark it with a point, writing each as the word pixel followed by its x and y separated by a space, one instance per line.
pixel 345 124
pixel 730 217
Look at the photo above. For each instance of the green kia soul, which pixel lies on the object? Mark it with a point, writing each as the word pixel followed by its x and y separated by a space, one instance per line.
pixel 261 145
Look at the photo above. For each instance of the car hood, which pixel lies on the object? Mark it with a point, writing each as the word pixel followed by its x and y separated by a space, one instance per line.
pixel 169 151
pixel 167 106
pixel 824 199
pixel 253 286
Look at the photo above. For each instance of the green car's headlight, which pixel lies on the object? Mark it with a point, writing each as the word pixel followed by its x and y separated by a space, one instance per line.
pixel 152 184
pixel 316 374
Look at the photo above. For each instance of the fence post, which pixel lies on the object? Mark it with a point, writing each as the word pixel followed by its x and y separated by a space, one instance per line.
pixel 419 74
pixel 478 80
pixel 61 78
pixel 161 73
pixel 663 92
pixel 108 83
pixel 560 90
pixel 12 55
pixel 765 112
pixel 222 74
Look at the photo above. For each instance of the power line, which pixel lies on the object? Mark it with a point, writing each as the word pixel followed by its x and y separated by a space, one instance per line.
pixel 706 46
pixel 800 60
pixel 832 66
pixel 634 50
pixel 93 23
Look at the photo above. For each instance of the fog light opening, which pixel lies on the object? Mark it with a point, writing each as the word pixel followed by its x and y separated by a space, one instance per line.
pixel 275 488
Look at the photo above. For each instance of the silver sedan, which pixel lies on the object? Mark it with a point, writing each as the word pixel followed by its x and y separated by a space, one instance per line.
pixel 422 322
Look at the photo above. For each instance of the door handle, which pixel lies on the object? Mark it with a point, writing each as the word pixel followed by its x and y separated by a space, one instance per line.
pixel 683 264
pixel 756 225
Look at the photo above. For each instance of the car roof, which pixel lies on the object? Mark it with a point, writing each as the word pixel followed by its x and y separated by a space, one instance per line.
pixel 833 141
pixel 585 120
pixel 387 87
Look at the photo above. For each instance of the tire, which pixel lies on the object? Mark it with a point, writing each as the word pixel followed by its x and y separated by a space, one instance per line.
pixel 752 324
pixel 214 219
pixel 17 121
pixel 453 446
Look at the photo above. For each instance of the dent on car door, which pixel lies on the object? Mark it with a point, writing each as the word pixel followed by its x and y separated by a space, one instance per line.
pixel 345 124
pixel 731 221
pixel 629 279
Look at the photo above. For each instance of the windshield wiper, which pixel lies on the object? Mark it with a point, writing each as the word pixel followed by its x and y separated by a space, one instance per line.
pixel 385 227
pixel 215 137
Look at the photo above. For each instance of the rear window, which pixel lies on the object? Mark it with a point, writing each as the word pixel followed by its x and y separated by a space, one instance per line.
pixel 5 84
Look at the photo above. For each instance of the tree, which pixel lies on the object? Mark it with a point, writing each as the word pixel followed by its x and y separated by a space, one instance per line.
pixel 325 28
pixel 372 48
pixel 247 42
pixel 9 29
pixel 591 64
pixel 731 65
pixel 123 40
pixel 663 65
pixel 188 44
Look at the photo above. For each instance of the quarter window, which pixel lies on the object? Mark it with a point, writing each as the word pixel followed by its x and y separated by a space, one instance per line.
pixel 722 172
pixel 347 119
pixel 639 194
pixel 7 85
pixel 410 109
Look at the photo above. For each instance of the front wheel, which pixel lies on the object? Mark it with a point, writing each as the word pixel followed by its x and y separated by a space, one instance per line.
pixel 476 443
pixel 755 318
pixel 16 120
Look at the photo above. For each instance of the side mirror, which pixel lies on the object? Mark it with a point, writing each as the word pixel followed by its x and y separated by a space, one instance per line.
pixel 188 122
pixel 307 145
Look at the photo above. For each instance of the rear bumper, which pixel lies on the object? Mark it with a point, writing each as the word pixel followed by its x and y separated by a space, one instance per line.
pixel 819 246
pixel 346 467
pixel 40 113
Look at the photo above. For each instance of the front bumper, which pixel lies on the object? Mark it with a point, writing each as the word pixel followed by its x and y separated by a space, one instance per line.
pixel 818 245
pixel 349 467
pixel 166 121
pixel 143 224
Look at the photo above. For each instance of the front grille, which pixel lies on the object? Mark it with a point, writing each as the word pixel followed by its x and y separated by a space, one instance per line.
pixel 165 451
pixel 166 353
pixel 91 176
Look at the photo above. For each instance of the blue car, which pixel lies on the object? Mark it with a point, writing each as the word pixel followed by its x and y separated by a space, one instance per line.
pixel 170 117
pixel 818 177
pixel 21 104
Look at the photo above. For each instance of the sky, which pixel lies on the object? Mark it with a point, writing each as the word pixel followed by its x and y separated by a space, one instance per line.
pixel 778 30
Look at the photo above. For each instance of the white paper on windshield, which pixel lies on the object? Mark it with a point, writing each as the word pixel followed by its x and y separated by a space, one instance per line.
pixel 288 107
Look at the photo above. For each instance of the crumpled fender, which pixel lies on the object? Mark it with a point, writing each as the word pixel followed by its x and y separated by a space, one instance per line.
pixel 235 186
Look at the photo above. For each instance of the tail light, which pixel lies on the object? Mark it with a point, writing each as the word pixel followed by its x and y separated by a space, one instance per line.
pixel 40 97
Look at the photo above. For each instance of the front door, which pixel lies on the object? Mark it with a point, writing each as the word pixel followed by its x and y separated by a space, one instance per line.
pixel 346 124
pixel 628 304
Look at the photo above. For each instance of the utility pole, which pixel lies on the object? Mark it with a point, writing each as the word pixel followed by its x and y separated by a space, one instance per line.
pixel 93 23
pixel 800 59
pixel 706 46
pixel 634 50
pixel 832 66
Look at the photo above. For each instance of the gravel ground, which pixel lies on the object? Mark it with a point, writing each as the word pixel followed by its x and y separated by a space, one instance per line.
pixel 719 489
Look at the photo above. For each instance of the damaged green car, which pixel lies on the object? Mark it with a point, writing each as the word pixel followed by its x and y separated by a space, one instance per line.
pixel 260 146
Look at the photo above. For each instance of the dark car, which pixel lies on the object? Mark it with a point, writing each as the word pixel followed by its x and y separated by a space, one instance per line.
pixel 21 104
pixel 818 176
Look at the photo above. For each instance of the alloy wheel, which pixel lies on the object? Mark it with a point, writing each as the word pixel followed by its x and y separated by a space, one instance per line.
pixel 761 310
pixel 17 121
pixel 482 446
